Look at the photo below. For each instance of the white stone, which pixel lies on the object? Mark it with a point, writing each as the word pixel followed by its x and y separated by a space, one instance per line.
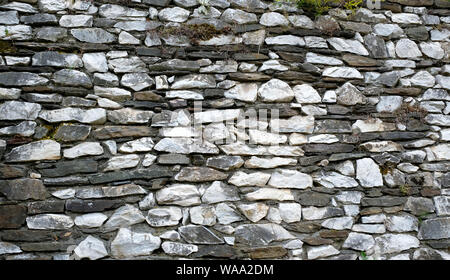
pixel 340 223
pixel 273 19
pixel 175 14
pixel 242 179
pixel 76 21
pixel 402 223
pixel 301 21
pixel 121 162
pixel 125 216
pixel 368 173
pixel 369 228
pixel 285 178
pixel 342 72
pixel 388 30
pixel 359 242
pixel 247 92
pixel 178 249
pixel 272 65
pixel 9 248
pixel 84 149
pixel 254 211
pixel 306 94
pixel 321 252
pixel 164 216
pixel 290 212
pixel 389 104
pixel 394 243
pixel 49 221
pixel 179 194
pixel 217 115
pixel 39 150
pixel 321 59
pixel 91 248
pixel 128 244
pixel 406 18
pixel 347 45
pixel 336 180
pixel 227 214
pixel 323 138
pixel 432 49
pixel 270 194
pixel 285 40
pixel 91 220
pixel 275 90
pixel 144 144
pixel 406 48
pixel 422 79
pixel 90 116
pixel 350 197
pixel 203 215
pixel 294 124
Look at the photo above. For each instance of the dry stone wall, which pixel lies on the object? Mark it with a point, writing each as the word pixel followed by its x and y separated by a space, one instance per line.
pixel 316 138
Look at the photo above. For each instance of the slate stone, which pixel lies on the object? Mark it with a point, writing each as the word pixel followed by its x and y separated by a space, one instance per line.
pixel 49 206
pixel 23 189
pixel 12 216
pixel 12 171
pixel 310 198
pixel 108 132
pixel 382 201
pixel 89 206
pixel 38 235
pixel 72 132
pixel 21 79
pixel 199 174
pixel 199 235
pixel 148 173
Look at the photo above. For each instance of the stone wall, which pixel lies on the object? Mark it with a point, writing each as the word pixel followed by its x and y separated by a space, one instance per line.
pixel 105 153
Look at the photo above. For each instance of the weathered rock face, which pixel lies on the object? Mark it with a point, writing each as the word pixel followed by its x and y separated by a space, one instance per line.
pixel 199 129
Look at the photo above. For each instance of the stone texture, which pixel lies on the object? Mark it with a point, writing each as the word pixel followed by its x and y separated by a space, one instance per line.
pixel 128 244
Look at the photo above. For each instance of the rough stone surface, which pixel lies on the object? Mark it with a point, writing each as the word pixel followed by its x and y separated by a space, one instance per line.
pixel 240 129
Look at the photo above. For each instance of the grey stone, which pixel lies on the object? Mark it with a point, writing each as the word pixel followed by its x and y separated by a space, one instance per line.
pixel 348 94
pixel 419 205
pixel 199 174
pixel 10 17
pixel 125 216
pixel 402 223
pixel 178 249
pixel 359 241
pixel 164 216
pixel 69 77
pixel 437 228
pixel 52 58
pixel 72 132
pixel 93 35
pixel 261 234
pixel 21 79
pixel 220 192
pixel 23 189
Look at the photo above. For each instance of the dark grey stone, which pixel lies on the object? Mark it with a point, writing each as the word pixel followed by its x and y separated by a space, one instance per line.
pixel 89 206
pixel 438 228
pixel 66 168
pixel 376 46
pixel 148 173
pixel 386 201
pixel 39 19
pixel 12 216
pixel 49 206
pixel 173 159
pixel 72 132
pixel 23 189
pixel 310 198
pixel 199 235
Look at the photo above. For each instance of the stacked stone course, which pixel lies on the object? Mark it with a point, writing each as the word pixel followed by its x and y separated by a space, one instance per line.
pixel 105 155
